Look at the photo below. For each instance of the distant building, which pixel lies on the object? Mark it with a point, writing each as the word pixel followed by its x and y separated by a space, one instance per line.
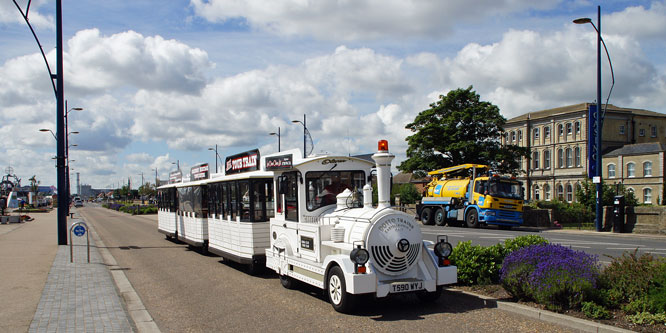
pixel 640 167
pixel 557 139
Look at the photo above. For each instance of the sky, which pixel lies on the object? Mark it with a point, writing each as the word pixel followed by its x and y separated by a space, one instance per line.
pixel 161 82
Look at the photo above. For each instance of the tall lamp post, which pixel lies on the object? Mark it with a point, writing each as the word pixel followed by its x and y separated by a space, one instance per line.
pixel 156 179
pixel 67 178
pixel 599 119
pixel 217 156
pixel 278 136
pixel 305 129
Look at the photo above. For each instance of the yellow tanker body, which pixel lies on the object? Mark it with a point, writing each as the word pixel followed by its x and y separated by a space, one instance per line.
pixel 469 193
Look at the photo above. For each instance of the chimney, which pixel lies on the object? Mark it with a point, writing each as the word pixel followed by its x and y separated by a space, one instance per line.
pixel 383 161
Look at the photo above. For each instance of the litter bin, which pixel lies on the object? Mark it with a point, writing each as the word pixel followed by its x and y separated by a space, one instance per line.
pixel 618 213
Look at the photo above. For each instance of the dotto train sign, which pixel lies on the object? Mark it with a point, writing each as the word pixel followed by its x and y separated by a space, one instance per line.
pixel 243 162
pixel 283 162
pixel 200 171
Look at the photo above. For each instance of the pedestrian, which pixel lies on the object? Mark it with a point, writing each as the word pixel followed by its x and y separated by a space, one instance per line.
pixel 3 205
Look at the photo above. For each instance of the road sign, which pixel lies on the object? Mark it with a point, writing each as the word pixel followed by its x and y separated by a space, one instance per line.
pixel 79 230
pixel 592 134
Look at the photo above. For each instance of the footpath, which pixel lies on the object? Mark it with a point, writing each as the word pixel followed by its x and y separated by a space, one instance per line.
pixel 44 292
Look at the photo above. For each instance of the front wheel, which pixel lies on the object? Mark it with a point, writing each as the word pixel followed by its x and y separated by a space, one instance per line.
pixel 472 218
pixel 440 217
pixel 287 282
pixel 337 291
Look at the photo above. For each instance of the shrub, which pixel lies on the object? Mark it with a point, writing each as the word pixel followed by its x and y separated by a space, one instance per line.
pixel 553 275
pixel 595 311
pixel 628 277
pixel 476 264
pixel 511 245
pixel 656 297
pixel 644 318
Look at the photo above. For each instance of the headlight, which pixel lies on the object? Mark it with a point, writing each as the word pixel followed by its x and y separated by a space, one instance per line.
pixel 490 213
pixel 443 249
pixel 359 256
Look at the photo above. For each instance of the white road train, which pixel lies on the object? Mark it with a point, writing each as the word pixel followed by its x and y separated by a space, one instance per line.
pixel 322 230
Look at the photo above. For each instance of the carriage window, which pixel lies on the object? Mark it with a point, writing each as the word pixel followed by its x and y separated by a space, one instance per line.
pixel 262 199
pixel 232 209
pixel 323 186
pixel 290 184
pixel 245 203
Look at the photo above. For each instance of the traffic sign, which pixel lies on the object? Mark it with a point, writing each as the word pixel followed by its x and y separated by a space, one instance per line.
pixel 79 230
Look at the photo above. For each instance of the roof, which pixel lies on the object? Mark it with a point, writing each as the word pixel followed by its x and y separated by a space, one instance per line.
pixel 638 149
pixel 578 108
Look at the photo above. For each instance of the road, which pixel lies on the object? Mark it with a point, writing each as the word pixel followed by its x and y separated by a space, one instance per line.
pixel 186 291
pixel 602 244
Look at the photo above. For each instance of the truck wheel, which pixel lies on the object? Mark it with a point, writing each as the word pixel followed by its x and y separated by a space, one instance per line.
pixel 337 291
pixel 426 216
pixel 440 217
pixel 428 297
pixel 472 218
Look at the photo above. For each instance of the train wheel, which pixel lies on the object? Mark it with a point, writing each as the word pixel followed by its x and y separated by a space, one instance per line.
pixel 337 291
pixel 472 218
pixel 426 216
pixel 440 217
pixel 428 297
pixel 287 282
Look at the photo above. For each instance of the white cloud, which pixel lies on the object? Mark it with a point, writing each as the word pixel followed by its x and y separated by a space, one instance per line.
pixel 638 22
pixel 10 14
pixel 359 19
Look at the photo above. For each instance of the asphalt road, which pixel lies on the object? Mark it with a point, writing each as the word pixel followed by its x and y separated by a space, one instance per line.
pixel 186 291
pixel 601 244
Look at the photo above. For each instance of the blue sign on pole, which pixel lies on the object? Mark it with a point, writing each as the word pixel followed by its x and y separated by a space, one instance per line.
pixel 592 115
pixel 79 230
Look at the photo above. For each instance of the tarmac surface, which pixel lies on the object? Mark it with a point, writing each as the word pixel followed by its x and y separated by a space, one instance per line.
pixel 44 292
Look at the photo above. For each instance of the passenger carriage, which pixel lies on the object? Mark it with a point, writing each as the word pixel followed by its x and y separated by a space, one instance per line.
pixel 167 210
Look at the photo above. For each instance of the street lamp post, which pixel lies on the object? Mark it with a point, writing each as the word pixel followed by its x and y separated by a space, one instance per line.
pixel 67 178
pixel 278 136
pixel 305 129
pixel 217 156
pixel 600 115
pixel 156 179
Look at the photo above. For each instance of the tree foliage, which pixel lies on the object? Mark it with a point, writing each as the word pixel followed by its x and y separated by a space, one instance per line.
pixel 587 195
pixel 459 128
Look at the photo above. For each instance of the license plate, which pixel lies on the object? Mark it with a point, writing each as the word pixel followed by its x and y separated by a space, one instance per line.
pixel 401 287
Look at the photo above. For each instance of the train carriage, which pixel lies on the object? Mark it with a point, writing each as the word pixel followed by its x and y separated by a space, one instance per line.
pixel 167 210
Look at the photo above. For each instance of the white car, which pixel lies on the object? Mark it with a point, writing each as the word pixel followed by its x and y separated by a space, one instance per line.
pixel 78 202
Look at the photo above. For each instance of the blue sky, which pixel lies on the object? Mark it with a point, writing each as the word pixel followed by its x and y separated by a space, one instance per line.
pixel 162 81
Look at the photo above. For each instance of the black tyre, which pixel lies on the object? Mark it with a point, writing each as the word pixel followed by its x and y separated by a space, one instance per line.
pixel 429 297
pixel 337 291
pixel 287 282
pixel 254 268
pixel 426 216
pixel 472 218
pixel 440 217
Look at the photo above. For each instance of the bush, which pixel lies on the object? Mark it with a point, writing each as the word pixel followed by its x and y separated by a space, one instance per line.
pixel 595 311
pixel 628 277
pixel 568 213
pixel 656 297
pixel 646 318
pixel 553 275
pixel 481 265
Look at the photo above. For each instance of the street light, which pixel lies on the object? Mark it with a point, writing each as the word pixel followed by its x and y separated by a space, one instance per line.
pixel 278 136
pixel 305 129
pixel 217 156
pixel 156 179
pixel 177 163
pixel 600 115
pixel 48 130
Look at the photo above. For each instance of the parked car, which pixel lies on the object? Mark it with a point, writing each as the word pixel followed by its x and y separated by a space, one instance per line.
pixel 78 202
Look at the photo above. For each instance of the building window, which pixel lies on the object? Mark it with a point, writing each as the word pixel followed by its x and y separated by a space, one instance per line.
pixel 536 192
pixel 560 130
pixel 577 156
pixel 568 157
pixel 560 158
pixel 560 192
pixel 520 136
pixel 569 193
pixel 631 170
pixel 653 131
pixel 546 132
pixel 536 135
pixel 611 171
pixel 546 159
pixel 546 192
pixel 647 169
pixel 513 136
pixel 621 129
pixel 568 128
pixel 535 160
pixel 647 195
pixel 577 127
pixel 641 132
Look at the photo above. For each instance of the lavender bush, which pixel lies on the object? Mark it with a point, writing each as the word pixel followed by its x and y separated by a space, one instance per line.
pixel 553 275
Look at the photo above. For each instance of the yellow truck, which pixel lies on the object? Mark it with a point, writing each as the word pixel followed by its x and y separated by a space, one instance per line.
pixel 470 194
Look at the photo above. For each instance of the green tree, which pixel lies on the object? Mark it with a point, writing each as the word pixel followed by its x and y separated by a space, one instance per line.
pixel 34 184
pixel 408 193
pixel 587 195
pixel 459 128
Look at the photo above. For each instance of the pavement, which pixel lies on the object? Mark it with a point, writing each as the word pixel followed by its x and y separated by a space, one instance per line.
pixel 43 291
